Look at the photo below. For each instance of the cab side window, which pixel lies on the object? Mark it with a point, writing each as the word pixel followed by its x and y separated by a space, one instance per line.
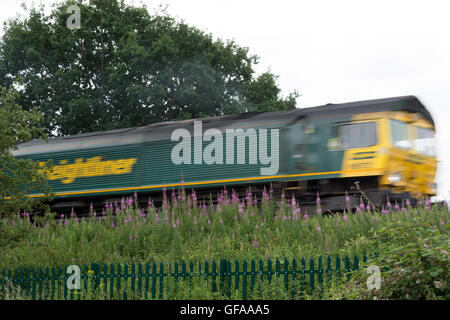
pixel 424 142
pixel 399 132
pixel 357 135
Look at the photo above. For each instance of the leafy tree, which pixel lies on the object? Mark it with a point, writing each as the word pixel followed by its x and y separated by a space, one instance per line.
pixel 124 67
pixel 19 177
pixel 263 95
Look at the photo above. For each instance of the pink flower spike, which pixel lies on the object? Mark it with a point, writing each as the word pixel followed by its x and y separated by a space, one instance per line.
pixel 319 229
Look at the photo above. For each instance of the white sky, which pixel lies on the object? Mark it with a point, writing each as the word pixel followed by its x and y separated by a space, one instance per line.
pixel 336 51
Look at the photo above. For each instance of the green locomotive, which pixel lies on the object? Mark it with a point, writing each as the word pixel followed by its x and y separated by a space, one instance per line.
pixel 385 145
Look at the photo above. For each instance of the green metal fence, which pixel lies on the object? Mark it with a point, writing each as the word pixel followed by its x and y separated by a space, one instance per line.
pixel 226 278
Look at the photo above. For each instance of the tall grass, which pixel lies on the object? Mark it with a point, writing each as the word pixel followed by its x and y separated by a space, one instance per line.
pixel 190 230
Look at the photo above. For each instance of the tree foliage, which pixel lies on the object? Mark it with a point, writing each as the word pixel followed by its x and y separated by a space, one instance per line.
pixel 125 67
pixel 19 177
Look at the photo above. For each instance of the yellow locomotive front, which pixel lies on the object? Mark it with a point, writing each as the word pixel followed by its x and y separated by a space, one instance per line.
pixel 404 157
pixel 411 156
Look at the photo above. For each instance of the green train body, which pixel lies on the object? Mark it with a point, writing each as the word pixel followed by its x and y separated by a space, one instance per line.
pixel 105 166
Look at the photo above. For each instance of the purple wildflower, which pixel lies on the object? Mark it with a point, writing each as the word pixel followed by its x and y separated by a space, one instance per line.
pixel 319 229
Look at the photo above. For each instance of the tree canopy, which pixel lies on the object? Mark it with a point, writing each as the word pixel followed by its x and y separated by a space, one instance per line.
pixel 125 67
pixel 19 177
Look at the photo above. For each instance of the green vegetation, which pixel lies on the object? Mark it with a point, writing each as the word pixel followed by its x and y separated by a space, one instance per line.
pixel 125 67
pixel 18 177
pixel 411 243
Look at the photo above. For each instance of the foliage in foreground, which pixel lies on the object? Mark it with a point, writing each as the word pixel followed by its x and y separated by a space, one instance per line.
pixel 18 177
pixel 412 243
pixel 415 256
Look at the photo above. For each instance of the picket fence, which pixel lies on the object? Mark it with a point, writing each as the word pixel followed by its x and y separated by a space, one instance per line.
pixel 235 279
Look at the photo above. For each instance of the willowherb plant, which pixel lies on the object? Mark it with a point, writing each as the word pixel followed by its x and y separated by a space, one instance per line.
pixel 186 228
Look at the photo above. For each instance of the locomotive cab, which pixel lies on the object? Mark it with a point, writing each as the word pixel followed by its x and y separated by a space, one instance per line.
pixel 411 157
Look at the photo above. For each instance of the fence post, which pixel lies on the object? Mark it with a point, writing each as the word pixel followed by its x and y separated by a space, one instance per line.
pixel 320 277
pixel 16 280
pixel 161 280
pixel 236 275
pixel 176 275
pixel 111 287
pixel 47 282
pixel 311 275
pixel 183 271
pixel 347 267
pixel 294 277
pixel 52 294
pixel 40 275
pixel 105 280
pixel 269 271
pixel 338 267
pixel 191 271
pixel 355 263
pixel 286 275
pixel 252 277
pixel 147 268
pixel 3 281
pixel 328 271
pixel 244 280
pixel 133 279
pixel 228 263
pixel 213 273
pixel 62 276
pixel 206 271
pixel 96 276
pixel 261 277
pixel 119 276
pixel 33 288
pixel 125 281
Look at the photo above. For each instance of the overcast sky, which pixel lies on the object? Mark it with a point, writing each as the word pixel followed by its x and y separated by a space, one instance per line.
pixel 336 51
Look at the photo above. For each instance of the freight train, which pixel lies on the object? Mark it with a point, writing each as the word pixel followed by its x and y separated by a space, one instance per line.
pixel 384 147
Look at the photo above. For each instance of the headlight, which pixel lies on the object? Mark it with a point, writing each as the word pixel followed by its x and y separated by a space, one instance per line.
pixel 394 178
